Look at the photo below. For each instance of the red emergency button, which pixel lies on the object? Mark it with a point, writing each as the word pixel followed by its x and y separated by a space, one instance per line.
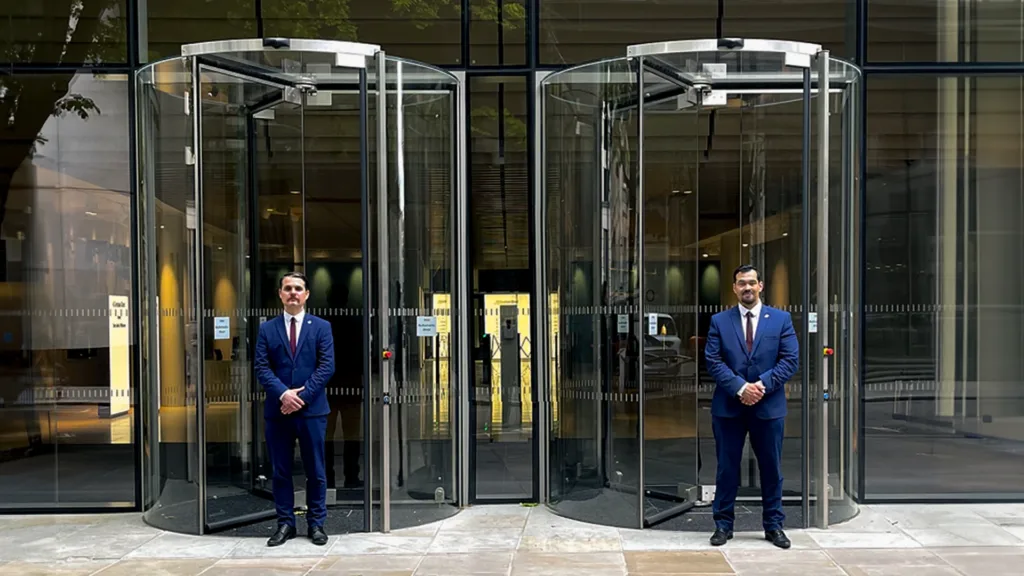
pixel 829 351
pixel 387 354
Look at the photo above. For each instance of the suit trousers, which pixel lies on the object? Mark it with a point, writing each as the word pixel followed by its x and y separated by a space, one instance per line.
pixel 766 440
pixel 281 434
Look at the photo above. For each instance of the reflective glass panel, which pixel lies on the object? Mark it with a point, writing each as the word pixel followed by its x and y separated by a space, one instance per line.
pixel 593 261
pixel 67 393
pixel 943 233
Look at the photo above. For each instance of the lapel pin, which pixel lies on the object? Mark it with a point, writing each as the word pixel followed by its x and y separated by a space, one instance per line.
pixel 765 315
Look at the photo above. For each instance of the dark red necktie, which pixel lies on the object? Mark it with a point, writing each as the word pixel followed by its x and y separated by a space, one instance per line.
pixel 291 337
pixel 750 332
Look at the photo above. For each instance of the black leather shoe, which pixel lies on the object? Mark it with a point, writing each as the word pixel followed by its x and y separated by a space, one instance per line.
pixel 284 533
pixel 778 538
pixel 720 537
pixel 317 535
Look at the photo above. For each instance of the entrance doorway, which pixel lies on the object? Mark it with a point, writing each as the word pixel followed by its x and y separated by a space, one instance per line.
pixel 261 157
pixel 662 172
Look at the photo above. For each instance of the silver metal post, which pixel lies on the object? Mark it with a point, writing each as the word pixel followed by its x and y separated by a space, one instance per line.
pixel 541 312
pixel 642 324
pixel 823 288
pixel 385 290
pixel 460 303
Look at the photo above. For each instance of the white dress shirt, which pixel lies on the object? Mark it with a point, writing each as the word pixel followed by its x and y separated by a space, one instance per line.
pixel 756 311
pixel 298 324
pixel 288 329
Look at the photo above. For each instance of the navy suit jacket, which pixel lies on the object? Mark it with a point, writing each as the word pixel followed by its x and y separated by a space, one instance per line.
pixel 312 366
pixel 774 360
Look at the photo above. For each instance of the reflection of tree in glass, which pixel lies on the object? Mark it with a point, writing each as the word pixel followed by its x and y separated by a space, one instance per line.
pixel 96 33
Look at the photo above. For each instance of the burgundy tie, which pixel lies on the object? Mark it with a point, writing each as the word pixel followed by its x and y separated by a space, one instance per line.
pixel 291 336
pixel 750 332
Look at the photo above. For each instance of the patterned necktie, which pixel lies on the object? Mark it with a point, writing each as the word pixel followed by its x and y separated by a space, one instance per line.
pixel 750 331
pixel 291 337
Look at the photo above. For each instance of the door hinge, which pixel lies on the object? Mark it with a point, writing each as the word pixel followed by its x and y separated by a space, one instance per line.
pixel 190 156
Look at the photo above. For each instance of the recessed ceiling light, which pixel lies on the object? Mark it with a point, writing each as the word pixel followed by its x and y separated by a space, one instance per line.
pixel 745 244
pixel 705 255
pixel 89 213
pixel 296 192
pixel 785 233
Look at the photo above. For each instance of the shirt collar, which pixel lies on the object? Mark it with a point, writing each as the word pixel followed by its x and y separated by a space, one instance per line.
pixel 298 317
pixel 756 310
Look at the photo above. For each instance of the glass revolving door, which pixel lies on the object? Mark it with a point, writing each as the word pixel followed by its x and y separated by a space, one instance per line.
pixel 663 171
pixel 261 157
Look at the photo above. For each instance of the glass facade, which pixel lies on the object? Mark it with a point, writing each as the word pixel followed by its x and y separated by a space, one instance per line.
pixel 941 408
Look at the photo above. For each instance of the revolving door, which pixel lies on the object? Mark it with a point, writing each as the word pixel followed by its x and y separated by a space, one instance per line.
pixel 264 156
pixel 662 172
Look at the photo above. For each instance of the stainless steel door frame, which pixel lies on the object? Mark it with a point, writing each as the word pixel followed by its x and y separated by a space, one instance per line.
pixel 540 317
pixel 383 288
pixel 461 302
pixel 821 395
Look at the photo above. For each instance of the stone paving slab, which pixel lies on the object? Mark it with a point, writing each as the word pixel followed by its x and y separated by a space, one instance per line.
pixel 912 540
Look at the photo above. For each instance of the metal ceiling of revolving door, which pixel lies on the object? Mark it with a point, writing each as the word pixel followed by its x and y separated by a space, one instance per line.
pixel 624 94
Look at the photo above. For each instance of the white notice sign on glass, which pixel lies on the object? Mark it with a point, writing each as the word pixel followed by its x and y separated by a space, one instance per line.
pixel 426 326
pixel 652 324
pixel 222 328
pixel 623 323
pixel 120 339
pixel 812 322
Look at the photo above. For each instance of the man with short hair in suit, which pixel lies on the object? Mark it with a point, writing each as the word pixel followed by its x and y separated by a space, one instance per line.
pixel 294 362
pixel 751 353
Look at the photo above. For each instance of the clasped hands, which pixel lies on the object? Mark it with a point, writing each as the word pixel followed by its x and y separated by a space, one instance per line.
pixel 752 394
pixel 290 401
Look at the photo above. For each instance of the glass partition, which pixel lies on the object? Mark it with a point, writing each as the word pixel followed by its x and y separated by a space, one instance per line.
pixel 663 172
pixel 592 256
pixel 170 421
pixel 421 252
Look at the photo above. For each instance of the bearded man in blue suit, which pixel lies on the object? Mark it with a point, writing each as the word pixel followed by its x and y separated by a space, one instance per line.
pixel 751 353
pixel 294 363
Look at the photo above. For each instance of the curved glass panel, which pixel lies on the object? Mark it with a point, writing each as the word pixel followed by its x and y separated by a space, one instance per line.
pixel 167 213
pixel 726 140
pixel 674 162
pixel 844 243
pixel 420 252
pixel 591 253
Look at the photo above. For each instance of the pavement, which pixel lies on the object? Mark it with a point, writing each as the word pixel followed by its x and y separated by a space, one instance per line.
pixel 904 540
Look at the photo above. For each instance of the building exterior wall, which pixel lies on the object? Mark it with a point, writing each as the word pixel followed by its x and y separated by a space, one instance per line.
pixel 942 415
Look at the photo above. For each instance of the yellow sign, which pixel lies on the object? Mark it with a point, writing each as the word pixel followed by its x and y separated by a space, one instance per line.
pixel 119 334
pixel 442 309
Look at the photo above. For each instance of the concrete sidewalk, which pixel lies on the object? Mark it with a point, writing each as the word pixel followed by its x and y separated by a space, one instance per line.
pixel 936 540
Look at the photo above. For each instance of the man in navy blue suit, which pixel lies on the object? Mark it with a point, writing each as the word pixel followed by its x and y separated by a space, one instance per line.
pixel 294 362
pixel 751 353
